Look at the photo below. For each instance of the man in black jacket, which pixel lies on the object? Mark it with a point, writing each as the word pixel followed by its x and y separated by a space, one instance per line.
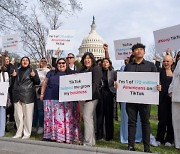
pixel 139 65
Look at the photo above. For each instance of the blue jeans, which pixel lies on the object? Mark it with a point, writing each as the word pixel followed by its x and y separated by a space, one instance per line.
pixel 38 115
pixel 2 120
pixel 124 126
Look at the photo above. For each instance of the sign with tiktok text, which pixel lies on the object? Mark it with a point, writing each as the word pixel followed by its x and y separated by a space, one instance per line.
pixel 63 39
pixel 123 47
pixel 75 87
pixel 3 93
pixel 167 38
pixel 138 87
pixel 10 42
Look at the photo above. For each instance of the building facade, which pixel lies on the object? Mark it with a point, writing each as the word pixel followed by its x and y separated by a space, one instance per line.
pixel 92 43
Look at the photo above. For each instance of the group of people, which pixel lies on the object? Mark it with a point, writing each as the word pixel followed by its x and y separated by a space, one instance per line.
pixel 34 94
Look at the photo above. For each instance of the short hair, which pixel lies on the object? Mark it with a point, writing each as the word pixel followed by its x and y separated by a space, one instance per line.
pixel 71 54
pixel 138 45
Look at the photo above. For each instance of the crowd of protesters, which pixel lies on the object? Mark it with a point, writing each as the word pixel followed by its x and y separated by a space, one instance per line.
pixel 33 100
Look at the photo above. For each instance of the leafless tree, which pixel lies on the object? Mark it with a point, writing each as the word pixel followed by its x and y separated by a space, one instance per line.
pixel 33 19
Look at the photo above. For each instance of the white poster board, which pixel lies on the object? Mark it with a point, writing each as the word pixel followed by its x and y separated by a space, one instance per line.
pixel 63 39
pixel 3 93
pixel 123 47
pixel 138 87
pixel 167 38
pixel 75 87
pixel 10 42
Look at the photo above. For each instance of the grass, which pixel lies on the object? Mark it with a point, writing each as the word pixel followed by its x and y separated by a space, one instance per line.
pixel 139 147
pixel 116 142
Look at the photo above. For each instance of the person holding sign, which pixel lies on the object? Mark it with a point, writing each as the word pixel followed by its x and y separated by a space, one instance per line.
pixel 139 65
pixel 174 92
pixel 23 81
pixel 3 78
pixel 61 119
pixel 88 107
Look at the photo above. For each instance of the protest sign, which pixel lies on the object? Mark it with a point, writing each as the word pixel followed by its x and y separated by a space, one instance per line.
pixel 123 47
pixel 138 87
pixel 75 87
pixel 63 39
pixel 10 42
pixel 3 93
pixel 167 38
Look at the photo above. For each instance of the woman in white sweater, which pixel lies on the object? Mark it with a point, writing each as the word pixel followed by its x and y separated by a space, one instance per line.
pixel 174 92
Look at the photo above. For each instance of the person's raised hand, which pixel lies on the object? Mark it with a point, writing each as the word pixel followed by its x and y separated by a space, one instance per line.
pixel 32 73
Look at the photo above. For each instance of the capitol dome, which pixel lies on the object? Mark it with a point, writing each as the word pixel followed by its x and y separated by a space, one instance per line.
pixel 92 43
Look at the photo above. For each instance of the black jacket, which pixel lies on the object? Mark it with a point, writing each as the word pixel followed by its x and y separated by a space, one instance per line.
pixel 24 88
pixel 96 80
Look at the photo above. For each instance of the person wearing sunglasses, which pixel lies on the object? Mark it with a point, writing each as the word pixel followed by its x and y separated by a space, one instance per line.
pixel 61 119
pixel 70 60
pixel 174 92
pixel 38 115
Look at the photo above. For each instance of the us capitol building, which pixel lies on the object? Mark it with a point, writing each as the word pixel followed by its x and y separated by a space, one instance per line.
pixel 92 43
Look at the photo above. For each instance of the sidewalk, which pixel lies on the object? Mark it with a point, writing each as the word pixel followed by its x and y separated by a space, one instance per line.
pixel 19 146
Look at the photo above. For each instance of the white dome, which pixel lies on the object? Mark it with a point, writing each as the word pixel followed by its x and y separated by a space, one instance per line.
pixel 92 43
pixel 93 37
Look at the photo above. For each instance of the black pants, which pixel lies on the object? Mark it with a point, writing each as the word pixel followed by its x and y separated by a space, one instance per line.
pixel 144 112
pixel 165 131
pixel 105 111
pixel 10 110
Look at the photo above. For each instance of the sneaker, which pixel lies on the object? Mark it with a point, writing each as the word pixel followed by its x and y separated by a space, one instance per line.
pixel 158 143
pixel 167 144
pixel 40 130
pixel 153 141
pixel 17 136
pixel 25 137
pixel 130 148
pixel 34 129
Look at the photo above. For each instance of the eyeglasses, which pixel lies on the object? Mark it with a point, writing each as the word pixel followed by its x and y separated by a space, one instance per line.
pixel 62 63
pixel 69 57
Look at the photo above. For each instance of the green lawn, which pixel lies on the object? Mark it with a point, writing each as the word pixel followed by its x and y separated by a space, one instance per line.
pixel 116 142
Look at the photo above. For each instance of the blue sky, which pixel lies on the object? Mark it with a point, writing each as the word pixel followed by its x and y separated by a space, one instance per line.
pixel 121 19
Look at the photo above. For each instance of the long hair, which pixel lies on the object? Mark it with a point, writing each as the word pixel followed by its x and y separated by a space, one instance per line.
pixel 92 58
pixel 110 63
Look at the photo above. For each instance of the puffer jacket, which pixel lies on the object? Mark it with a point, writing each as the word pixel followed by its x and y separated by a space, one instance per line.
pixel 24 88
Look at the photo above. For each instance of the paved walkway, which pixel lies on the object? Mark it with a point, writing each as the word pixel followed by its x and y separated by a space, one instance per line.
pixel 19 146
